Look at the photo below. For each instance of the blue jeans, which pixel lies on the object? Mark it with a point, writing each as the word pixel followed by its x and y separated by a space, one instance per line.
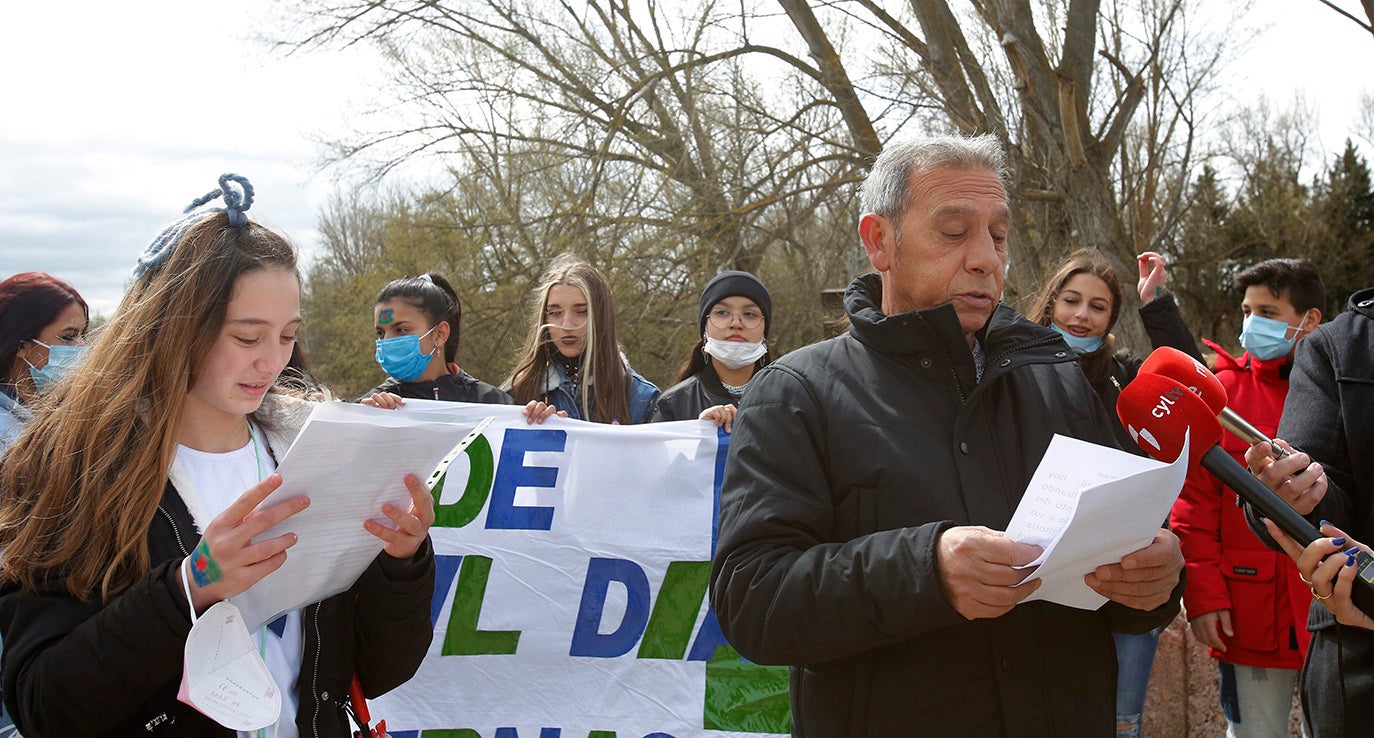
pixel 1135 657
pixel 1256 701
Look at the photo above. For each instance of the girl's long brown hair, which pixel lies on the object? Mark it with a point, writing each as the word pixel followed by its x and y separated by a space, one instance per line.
pixel 1098 364
pixel 600 360
pixel 83 482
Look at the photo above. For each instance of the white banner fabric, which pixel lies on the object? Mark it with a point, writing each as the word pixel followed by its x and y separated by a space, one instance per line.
pixel 570 598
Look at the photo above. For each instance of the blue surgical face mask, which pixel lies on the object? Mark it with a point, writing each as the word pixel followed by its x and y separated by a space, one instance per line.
pixel 1083 344
pixel 401 357
pixel 1265 338
pixel 61 359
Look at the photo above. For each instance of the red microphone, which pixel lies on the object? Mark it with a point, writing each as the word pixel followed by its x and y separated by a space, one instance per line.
pixel 1187 371
pixel 1191 373
pixel 1159 412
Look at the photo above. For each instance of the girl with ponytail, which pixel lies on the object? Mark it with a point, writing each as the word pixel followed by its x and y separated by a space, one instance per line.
pixel 418 321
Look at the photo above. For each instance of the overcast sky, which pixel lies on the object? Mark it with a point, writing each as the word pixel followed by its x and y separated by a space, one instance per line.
pixel 118 114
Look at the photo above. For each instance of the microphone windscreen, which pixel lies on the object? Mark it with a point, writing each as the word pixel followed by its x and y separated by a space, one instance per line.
pixel 1159 412
pixel 1170 362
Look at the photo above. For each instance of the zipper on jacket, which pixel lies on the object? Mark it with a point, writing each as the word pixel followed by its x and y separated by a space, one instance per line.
pixel 164 719
pixel 949 365
pixel 993 362
pixel 155 725
pixel 180 543
pixel 1023 347
pixel 315 676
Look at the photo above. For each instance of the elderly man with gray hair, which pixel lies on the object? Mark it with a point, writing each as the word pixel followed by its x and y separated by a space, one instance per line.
pixel 870 476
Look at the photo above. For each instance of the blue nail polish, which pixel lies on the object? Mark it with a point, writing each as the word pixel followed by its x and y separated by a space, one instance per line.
pixel 1350 561
pixel 1323 523
pixel 1338 542
pixel 1352 551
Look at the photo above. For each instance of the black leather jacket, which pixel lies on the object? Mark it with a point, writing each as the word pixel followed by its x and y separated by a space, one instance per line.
pixel 686 399
pixel 460 387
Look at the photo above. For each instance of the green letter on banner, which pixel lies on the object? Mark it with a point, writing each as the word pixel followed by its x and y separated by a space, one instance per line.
pixel 675 610
pixel 463 637
pixel 480 471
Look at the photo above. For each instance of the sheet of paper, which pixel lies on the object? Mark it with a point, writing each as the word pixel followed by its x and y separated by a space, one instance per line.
pixel 1089 505
pixel 349 459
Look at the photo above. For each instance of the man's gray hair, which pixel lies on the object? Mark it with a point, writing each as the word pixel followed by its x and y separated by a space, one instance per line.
pixel 887 189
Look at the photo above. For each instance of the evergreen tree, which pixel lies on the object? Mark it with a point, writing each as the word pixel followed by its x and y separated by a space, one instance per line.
pixel 1204 262
pixel 1344 208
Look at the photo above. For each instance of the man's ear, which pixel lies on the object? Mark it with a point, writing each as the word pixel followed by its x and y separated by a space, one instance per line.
pixel 879 239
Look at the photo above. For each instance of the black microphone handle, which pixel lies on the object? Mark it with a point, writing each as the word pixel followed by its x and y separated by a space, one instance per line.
pixel 1270 505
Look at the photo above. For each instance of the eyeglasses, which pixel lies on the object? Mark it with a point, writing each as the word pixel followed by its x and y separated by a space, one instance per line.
pixel 722 318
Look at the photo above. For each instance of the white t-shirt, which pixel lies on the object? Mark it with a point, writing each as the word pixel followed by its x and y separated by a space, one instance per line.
pixel 218 480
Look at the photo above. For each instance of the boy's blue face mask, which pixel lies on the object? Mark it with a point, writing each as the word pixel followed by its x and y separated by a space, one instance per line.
pixel 1265 338
pixel 1083 344
pixel 61 359
pixel 401 357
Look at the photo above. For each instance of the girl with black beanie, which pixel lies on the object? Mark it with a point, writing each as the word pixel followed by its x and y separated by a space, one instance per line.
pixel 733 317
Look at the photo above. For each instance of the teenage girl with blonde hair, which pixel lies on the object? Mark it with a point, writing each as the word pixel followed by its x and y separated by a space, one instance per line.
pixel 571 358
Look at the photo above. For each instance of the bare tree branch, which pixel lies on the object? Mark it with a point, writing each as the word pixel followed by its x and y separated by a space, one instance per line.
pixel 1367 25
pixel 833 75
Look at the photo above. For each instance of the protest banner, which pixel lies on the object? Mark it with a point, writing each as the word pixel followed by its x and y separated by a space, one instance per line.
pixel 573 560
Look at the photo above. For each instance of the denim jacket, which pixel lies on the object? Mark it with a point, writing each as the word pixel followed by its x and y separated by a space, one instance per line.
pixel 566 395
pixel 13 415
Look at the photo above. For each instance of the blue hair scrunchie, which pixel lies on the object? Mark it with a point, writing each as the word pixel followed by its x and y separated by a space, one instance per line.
pixel 236 203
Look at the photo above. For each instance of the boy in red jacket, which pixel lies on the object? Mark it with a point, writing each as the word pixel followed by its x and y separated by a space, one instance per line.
pixel 1243 600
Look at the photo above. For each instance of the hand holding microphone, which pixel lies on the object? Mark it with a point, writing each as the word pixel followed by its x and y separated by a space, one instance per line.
pixel 1325 561
pixel 1294 477
pixel 1159 413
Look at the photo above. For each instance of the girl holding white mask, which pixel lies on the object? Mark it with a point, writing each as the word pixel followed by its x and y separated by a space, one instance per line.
pixel 734 317
pixel 131 508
